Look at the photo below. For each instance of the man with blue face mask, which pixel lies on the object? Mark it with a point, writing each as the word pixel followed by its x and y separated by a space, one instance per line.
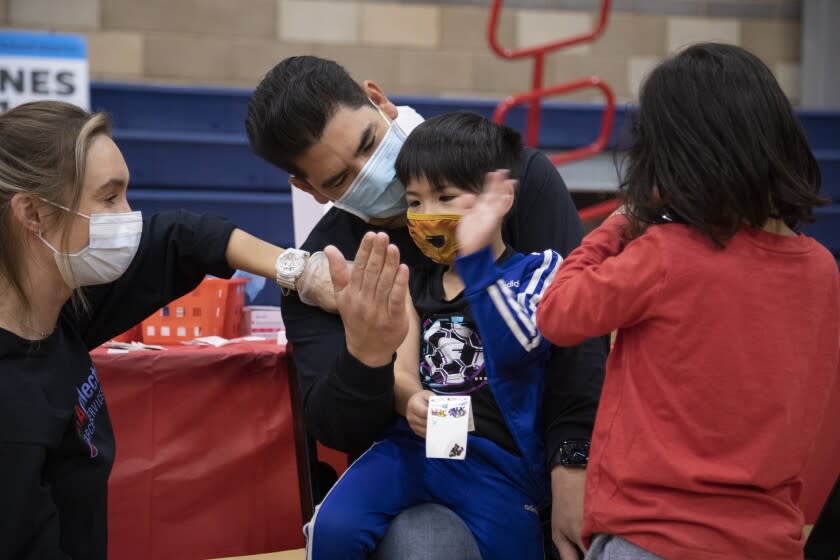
pixel 339 141
pixel 376 193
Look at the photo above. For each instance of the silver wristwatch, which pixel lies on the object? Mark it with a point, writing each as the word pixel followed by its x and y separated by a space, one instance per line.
pixel 289 266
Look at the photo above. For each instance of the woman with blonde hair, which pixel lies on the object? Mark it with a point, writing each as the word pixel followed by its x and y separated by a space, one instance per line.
pixel 78 267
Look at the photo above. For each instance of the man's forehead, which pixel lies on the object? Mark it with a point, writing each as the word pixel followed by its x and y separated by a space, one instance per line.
pixel 347 123
pixel 338 143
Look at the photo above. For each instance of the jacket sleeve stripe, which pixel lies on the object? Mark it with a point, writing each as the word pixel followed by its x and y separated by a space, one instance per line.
pixel 514 327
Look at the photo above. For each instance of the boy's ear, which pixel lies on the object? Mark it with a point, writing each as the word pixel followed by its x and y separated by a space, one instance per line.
pixel 306 187
pixel 512 197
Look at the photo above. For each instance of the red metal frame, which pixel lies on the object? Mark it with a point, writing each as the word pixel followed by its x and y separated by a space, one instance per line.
pixel 606 121
pixel 537 92
pixel 538 52
pixel 493 26
pixel 600 210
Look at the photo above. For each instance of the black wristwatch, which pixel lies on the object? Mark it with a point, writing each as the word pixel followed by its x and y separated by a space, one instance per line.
pixel 572 453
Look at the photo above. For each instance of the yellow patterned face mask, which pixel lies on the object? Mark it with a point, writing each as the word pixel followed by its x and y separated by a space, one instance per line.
pixel 434 235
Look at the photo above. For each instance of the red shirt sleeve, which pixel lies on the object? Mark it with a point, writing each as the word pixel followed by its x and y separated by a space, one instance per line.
pixel 602 286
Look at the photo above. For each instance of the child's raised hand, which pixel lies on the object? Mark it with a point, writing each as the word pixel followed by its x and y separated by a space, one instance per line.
pixel 417 411
pixel 480 223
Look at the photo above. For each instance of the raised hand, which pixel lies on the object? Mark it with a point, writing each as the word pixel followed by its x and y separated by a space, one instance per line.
pixel 370 297
pixel 480 223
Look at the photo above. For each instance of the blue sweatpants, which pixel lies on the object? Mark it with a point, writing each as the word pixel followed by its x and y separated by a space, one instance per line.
pixel 493 491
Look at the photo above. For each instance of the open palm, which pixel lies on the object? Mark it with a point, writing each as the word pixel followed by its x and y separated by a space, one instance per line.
pixel 480 223
pixel 370 298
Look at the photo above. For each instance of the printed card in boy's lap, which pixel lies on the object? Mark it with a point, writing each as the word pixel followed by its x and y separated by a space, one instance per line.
pixel 447 425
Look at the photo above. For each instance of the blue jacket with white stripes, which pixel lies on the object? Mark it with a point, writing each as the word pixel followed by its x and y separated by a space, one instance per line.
pixel 503 300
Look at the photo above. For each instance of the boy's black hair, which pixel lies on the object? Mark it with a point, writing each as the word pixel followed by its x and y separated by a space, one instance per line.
pixel 293 103
pixel 716 137
pixel 457 149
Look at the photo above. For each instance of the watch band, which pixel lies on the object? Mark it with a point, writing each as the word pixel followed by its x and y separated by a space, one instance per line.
pixel 286 284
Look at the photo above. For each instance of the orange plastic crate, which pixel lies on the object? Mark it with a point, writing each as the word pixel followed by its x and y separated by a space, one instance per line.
pixel 214 308
pixel 134 334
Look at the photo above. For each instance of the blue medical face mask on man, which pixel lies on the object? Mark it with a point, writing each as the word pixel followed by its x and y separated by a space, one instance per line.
pixel 376 193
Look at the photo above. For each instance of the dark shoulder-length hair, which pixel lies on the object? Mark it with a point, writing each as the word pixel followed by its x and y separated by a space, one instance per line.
pixel 716 145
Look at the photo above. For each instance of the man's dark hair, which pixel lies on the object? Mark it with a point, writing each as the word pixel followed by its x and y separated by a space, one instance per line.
pixel 293 103
pixel 457 149
pixel 716 145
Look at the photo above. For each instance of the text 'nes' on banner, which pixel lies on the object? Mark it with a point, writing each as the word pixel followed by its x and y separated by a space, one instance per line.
pixel 38 66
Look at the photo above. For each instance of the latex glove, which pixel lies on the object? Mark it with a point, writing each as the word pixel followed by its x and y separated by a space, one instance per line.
pixel 314 286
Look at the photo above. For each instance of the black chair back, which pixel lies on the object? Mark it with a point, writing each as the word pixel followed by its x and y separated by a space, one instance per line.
pixel 824 541
pixel 306 449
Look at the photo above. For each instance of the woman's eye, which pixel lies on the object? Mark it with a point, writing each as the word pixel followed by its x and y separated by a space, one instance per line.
pixel 447 197
pixel 413 203
pixel 112 199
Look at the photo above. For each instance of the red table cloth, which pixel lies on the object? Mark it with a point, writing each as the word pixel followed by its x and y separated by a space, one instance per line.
pixel 205 464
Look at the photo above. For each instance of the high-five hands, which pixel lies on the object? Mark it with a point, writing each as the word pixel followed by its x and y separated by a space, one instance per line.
pixel 370 297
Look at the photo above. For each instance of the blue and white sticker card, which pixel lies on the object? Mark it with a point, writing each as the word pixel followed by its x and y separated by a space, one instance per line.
pixel 447 424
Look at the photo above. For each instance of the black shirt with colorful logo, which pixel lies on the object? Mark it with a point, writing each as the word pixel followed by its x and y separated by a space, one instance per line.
pixel 56 442
pixel 452 352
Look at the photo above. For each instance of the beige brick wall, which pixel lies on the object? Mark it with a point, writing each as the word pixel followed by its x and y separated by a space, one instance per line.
pixel 431 48
pixel 251 18
pixel 319 21
pixel 72 14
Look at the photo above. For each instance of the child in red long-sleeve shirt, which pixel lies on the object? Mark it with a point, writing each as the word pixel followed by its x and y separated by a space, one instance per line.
pixel 728 321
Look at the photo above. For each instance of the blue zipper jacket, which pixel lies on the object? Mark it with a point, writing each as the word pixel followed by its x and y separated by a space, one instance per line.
pixel 501 298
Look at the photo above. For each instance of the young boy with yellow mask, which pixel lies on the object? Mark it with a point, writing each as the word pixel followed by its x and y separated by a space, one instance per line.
pixel 472 333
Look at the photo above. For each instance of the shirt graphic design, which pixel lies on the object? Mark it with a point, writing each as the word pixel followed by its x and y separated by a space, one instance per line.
pixel 91 402
pixel 452 357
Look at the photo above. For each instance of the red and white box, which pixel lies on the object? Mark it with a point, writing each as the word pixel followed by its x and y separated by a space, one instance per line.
pixel 264 321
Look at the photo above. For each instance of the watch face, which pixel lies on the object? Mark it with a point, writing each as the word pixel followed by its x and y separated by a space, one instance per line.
pixel 574 453
pixel 290 266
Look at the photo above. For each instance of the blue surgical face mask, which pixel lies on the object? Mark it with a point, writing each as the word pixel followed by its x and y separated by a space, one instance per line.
pixel 376 192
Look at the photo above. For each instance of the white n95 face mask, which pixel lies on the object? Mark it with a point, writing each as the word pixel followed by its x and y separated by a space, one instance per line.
pixel 114 239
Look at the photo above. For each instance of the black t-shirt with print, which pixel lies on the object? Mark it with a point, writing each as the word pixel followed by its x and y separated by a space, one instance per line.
pixel 56 442
pixel 451 351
